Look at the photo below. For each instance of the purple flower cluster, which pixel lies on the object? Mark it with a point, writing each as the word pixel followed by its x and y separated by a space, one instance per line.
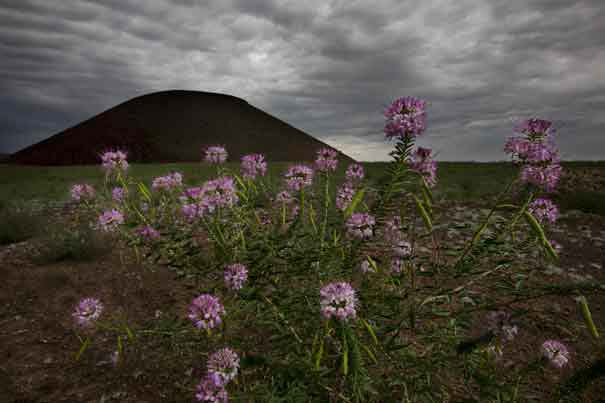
pixel 402 249
pixel 215 193
pixel 405 117
pixel 298 176
pixel 392 230
pixel 326 160
pixel 215 155
pixel 556 352
pixel 205 312
pixel 222 367
pixel 87 312
pixel 83 191
pixel 344 196
pixel 148 233
pixel 117 194
pixel 235 276
pixel 543 209
pixel 354 173
pixel 536 152
pixel 284 198
pixel 224 363
pixel 114 161
pixel 167 182
pixel 211 389
pixel 338 300
pixel 253 165
pixel 360 225
pixel 397 265
pixel 110 220
pixel 422 163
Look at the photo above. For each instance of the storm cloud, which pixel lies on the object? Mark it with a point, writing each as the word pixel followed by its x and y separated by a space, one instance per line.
pixel 329 68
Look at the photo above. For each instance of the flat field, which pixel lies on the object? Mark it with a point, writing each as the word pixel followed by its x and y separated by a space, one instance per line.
pixel 48 264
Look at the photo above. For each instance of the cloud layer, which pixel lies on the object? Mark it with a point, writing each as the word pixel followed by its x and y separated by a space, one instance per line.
pixel 327 67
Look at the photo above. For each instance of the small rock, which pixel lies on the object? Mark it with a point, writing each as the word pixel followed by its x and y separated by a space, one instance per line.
pixel 596 266
pixel 48 360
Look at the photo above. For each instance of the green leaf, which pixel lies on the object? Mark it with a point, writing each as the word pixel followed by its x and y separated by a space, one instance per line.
pixel 144 191
pixel 356 199
pixel 83 348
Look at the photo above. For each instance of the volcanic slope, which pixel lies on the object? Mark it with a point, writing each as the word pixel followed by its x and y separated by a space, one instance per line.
pixel 174 126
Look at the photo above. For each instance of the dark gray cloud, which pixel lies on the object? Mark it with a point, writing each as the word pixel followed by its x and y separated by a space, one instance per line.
pixel 327 67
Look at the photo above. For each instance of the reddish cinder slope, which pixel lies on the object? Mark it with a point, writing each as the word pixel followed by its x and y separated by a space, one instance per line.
pixel 173 126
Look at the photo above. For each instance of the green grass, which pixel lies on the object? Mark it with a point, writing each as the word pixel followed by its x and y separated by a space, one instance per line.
pixel 456 180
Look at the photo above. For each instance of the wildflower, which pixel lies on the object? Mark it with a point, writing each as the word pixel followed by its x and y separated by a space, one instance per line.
pixel 114 161
pixel 211 389
pixel 360 225
pixel 84 191
pixel 326 160
pixel 191 211
pixel 87 312
pixel 253 165
pixel 192 194
pixel 397 265
pixel 402 249
pixel 205 312
pixel 535 127
pixel 354 173
pixel 167 182
pixel 498 322
pixel 117 194
pixel 366 267
pixel 556 245
pixel 392 230
pixel 298 176
pixel 556 352
pixel 543 209
pixel 149 233
pixel 215 155
pixel 405 117
pixel 235 276
pixel 224 363
pixel 284 197
pixel 338 300
pixel 110 220
pixel 422 163
pixel 542 176
pixel 344 196
pixel 219 192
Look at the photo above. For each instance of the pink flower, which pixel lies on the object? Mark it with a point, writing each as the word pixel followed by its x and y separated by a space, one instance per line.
pixel 211 389
pixel 110 220
pixel 534 126
pixel 149 233
pixel 344 196
pixel 392 230
pixel 83 191
pixel 338 300
pixel 167 182
pixel 205 312
pixel 117 194
pixel 215 155
pixel 224 363
pixel 405 117
pixel 253 165
pixel 298 176
pixel 114 161
pixel 397 265
pixel 354 173
pixel 87 312
pixel 326 160
pixel 235 276
pixel 556 352
pixel 422 163
pixel 543 209
pixel 219 192
pixel 360 225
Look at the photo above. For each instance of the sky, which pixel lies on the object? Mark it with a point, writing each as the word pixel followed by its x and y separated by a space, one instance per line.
pixel 329 68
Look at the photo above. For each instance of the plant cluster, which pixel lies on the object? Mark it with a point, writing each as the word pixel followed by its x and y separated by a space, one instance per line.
pixel 299 252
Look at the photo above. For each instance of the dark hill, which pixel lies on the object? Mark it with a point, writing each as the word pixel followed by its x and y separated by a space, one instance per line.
pixel 174 126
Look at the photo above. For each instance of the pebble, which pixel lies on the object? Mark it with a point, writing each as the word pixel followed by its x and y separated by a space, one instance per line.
pixel 596 266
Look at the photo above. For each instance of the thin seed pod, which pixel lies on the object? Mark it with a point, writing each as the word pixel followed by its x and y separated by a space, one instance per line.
pixel 540 232
pixel 144 191
pixel 369 352
pixel 588 318
pixel 423 213
pixel 354 202
pixel 370 330
pixel 345 355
